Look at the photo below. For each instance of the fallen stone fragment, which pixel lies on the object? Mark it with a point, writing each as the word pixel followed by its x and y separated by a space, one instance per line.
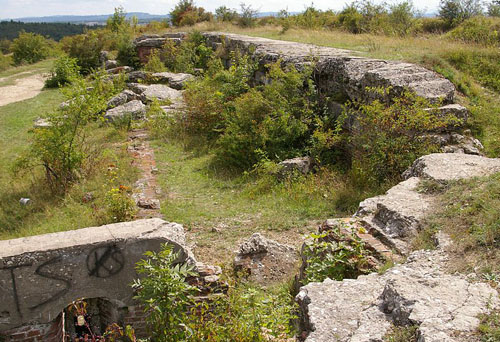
pixel 110 64
pixel 266 261
pixel 137 88
pixel 135 109
pixel 117 100
pixel 300 164
pixel 161 93
pixel 174 80
pixel 42 123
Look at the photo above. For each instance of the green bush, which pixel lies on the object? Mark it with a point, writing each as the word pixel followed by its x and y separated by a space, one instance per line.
pixel 5 62
pixel 402 18
pixel 385 139
pixel 127 54
pixel 246 314
pixel 165 294
pixel 29 48
pixel 247 16
pixel 224 14
pixel 5 46
pixel 190 54
pixel 63 149
pixel 209 97
pixel 327 258
pixel 65 70
pixel 273 120
pixel 154 63
pixel 86 48
pixel 478 30
pixel 186 13
pixel 456 11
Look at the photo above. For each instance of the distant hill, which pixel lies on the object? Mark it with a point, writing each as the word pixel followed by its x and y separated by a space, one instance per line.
pixel 89 19
pixel 10 29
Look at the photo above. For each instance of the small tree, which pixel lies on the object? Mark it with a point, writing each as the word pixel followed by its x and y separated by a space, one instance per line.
pixel 165 293
pixel 456 11
pixel 118 21
pixel 65 70
pixel 29 48
pixel 247 16
pixel 223 13
pixel 494 8
pixel 86 48
pixel 5 46
pixel 186 13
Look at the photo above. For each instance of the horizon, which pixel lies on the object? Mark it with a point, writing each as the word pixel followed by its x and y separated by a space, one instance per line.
pixel 18 9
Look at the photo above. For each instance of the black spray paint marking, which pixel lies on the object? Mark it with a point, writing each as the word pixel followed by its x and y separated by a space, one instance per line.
pixel 103 262
pixel 39 271
pixel 14 286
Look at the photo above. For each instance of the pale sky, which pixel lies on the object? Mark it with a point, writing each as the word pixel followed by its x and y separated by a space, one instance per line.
pixel 39 8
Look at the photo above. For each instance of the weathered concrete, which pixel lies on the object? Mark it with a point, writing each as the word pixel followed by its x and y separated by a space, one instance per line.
pixel 443 167
pixel 41 275
pixel 339 73
pixel 160 92
pixel 266 261
pixel 135 109
pixel 420 292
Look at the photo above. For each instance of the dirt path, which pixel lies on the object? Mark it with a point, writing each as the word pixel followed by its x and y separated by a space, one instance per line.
pixel 147 191
pixel 24 88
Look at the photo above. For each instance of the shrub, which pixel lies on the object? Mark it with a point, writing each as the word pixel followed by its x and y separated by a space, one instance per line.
pixel 247 16
pixel 86 48
pixel 118 22
pixel 119 205
pixel 477 30
pixel 494 8
pixel 29 48
pixel 273 120
pixel 5 46
pixel 385 139
pixel 5 62
pixel 209 97
pixel 223 14
pixel 456 11
pixel 246 314
pixel 127 54
pixel 433 25
pixel 65 70
pixel 327 258
pixel 402 18
pixel 63 149
pixel 186 13
pixel 165 294
pixel 190 54
pixel 154 63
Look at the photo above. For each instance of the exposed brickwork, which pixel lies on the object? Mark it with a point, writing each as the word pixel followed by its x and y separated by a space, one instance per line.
pixel 136 318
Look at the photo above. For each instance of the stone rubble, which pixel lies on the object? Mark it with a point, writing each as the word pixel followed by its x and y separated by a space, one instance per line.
pixel 445 307
pixel 134 109
pixel 266 261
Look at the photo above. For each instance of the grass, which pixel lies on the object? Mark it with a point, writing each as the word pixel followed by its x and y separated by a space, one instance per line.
pixel 49 213
pixel 402 334
pixel 489 329
pixel 218 209
pixel 468 212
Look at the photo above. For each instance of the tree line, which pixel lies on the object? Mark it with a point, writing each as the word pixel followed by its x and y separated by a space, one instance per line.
pixel 56 31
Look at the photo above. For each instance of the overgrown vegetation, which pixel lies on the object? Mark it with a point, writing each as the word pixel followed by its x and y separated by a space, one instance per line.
pixel 489 330
pixel 245 314
pixel 335 255
pixel 65 70
pixel 29 48
pixel 402 334
pixel 469 214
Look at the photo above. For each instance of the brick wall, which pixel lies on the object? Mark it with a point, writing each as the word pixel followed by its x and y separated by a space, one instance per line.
pixel 136 318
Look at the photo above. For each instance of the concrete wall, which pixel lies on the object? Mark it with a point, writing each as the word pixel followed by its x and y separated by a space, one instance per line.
pixel 41 275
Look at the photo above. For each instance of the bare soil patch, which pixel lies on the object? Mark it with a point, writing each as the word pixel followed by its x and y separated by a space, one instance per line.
pixel 23 89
